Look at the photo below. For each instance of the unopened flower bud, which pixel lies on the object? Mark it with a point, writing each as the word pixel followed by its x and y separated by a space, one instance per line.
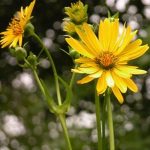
pixel 20 53
pixel 32 59
pixel 77 13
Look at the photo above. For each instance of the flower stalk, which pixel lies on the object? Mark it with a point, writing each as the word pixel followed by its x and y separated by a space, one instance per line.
pixel 65 130
pixel 98 121
pixel 110 121
pixel 36 37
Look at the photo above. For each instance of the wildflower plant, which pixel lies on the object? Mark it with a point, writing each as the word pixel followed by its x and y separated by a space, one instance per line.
pixel 103 58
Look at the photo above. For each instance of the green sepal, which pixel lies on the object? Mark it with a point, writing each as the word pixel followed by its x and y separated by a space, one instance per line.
pixel 73 53
pixel 115 16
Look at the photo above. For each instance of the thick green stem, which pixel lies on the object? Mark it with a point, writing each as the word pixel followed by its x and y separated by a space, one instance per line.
pixel 98 121
pixel 110 121
pixel 32 33
pixel 66 135
pixel 72 80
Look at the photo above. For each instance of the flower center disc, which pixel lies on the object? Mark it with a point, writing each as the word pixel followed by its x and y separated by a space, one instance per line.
pixel 106 60
pixel 16 27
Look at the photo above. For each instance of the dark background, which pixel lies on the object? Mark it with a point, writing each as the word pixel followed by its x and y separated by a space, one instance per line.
pixel 25 121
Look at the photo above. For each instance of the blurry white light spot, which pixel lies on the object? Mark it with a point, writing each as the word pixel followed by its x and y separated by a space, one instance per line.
pixel 121 5
pixel 147 12
pixel 13 126
pixel 94 18
pixel 4 148
pixel 50 33
pixel 134 25
pixel 3 137
pixel 129 126
pixel 44 63
pixel 146 2
pixel 47 42
pixel 11 60
pixel 53 133
pixel 132 9
pixel 57 25
pixel 143 33
pixel 110 2
pixel 83 120
pixel 24 80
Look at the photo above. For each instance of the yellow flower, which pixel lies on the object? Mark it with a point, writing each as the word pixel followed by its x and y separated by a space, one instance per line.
pixel 77 12
pixel 14 32
pixel 106 58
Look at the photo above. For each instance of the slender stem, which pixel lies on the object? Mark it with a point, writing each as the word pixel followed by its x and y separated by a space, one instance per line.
pixel 98 121
pixel 36 77
pixel 63 124
pixel 110 121
pixel 32 33
pixel 38 81
pixel 72 80
pixel 103 123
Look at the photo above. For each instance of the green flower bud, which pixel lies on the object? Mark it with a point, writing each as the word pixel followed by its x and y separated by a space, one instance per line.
pixel 29 28
pixel 77 13
pixel 74 54
pixel 32 59
pixel 20 53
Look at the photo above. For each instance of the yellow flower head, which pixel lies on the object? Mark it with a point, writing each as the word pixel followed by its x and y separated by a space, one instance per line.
pixel 14 32
pixel 106 58
pixel 77 12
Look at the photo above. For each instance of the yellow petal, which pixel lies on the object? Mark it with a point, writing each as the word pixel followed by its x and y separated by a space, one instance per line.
pixel 118 94
pixel 134 53
pixel 109 79
pixel 97 74
pixel 83 60
pixel 101 84
pixel 88 70
pixel 114 34
pixel 120 83
pixel 76 71
pixel 92 38
pixel 133 45
pixel 105 33
pixel 130 69
pixel 131 85
pixel 121 73
pixel 78 47
pixel 127 38
pixel 85 80
pixel 88 42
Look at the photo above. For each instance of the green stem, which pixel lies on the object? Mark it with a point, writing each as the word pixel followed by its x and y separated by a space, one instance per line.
pixel 36 77
pixel 32 33
pixel 61 117
pixel 103 123
pixel 72 80
pixel 110 121
pixel 98 121
pixel 38 81
pixel 63 124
